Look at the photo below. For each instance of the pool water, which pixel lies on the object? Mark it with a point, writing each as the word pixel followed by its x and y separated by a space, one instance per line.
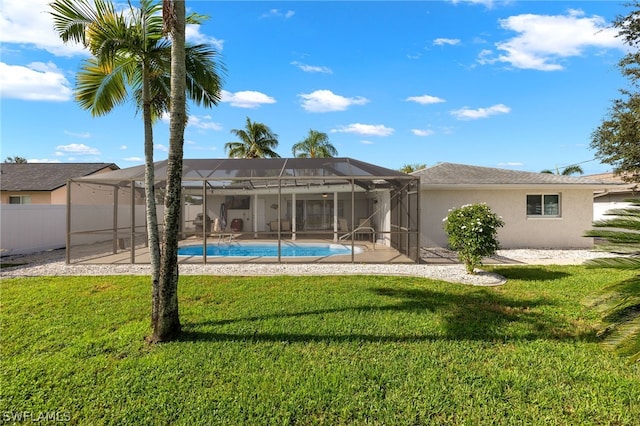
pixel 268 250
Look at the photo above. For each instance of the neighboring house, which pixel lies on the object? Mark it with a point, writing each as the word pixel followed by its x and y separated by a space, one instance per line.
pixel 612 198
pixel 540 210
pixel 43 183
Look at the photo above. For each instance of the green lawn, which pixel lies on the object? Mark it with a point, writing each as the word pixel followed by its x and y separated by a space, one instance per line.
pixel 316 350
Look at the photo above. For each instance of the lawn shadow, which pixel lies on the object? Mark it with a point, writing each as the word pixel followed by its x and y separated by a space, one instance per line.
pixel 480 315
pixel 529 273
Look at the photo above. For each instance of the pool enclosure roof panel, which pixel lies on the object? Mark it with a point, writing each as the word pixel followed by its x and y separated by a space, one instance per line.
pixel 298 170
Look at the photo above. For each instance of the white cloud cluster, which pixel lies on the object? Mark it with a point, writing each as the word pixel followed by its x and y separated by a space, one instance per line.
pixel 425 99
pixel 365 129
pixel 277 13
pixel 203 122
pixel 193 35
pixel 544 40
pixel 36 82
pixel 76 149
pixel 446 41
pixel 312 68
pixel 327 101
pixel 422 132
pixel 474 114
pixel 246 99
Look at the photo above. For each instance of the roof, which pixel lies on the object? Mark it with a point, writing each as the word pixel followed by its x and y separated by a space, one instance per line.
pixel 452 175
pixel 267 172
pixel 45 176
pixel 625 187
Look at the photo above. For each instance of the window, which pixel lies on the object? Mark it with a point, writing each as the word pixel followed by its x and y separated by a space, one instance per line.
pixel 19 199
pixel 543 205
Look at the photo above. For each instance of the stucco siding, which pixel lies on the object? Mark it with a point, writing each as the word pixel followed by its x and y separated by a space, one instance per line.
pixel 519 230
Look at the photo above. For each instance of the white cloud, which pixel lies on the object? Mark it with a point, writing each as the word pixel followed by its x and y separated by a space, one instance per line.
pixel 123 147
pixel 474 114
pixel 326 101
pixel 365 129
pixel 511 164
pixel 422 132
pixel 161 147
pixel 35 82
pixel 365 142
pixel 312 68
pixel 246 99
pixel 487 3
pixel 193 35
pixel 42 160
pixel 28 22
pixel 446 41
pixel 203 122
pixel 134 159
pixel 543 41
pixel 86 135
pixel 277 13
pixel 425 99
pixel 77 149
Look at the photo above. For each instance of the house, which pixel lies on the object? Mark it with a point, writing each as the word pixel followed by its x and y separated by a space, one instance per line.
pixel 612 198
pixel 540 210
pixel 43 183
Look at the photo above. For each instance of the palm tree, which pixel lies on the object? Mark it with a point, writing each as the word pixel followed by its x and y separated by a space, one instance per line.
pixel 620 302
pixel 131 52
pixel 315 145
pixel 167 322
pixel 567 171
pixel 410 168
pixel 256 141
pixel 16 160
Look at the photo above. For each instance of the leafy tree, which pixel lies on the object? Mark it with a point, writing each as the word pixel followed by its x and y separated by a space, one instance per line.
pixel 16 160
pixel 256 141
pixel 410 168
pixel 620 302
pixel 315 145
pixel 472 231
pixel 167 322
pixel 617 139
pixel 567 171
pixel 131 52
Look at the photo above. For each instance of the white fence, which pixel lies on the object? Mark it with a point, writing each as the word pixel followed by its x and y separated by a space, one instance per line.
pixel 29 228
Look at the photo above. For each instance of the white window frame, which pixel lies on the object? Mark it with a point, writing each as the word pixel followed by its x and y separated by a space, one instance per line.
pixel 543 213
pixel 24 199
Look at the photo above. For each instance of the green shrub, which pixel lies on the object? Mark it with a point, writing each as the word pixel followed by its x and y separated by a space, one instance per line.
pixel 471 231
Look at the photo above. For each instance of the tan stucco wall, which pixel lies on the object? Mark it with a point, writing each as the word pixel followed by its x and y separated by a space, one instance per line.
pixel 519 231
pixel 36 197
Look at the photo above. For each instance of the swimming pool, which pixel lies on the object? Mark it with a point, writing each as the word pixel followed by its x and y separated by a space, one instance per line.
pixel 288 249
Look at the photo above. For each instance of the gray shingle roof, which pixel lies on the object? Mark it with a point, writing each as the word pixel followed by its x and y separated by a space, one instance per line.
pixel 45 176
pixel 450 174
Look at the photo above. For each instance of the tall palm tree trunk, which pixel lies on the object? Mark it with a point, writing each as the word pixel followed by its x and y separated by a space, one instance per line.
pixel 167 326
pixel 150 193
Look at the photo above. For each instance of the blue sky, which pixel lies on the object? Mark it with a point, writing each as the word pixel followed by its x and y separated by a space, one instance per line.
pixel 510 84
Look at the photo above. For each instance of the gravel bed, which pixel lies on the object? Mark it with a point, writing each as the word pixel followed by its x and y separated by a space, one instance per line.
pixel 51 263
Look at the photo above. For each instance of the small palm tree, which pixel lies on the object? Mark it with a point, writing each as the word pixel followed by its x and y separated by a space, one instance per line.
pixel 256 141
pixel 410 168
pixel 131 52
pixel 567 171
pixel 315 145
pixel 16 160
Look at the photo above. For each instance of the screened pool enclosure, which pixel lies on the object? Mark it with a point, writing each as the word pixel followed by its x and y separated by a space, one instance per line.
pixel 336 201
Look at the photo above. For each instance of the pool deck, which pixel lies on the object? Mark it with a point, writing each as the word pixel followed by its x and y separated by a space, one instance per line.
pixel 371 253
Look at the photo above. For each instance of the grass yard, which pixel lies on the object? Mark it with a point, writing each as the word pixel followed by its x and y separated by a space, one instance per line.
pixel 316 350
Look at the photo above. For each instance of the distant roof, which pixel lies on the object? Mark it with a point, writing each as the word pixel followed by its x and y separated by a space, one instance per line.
pixel 460 175
pixel 45 176
pixel 625 187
